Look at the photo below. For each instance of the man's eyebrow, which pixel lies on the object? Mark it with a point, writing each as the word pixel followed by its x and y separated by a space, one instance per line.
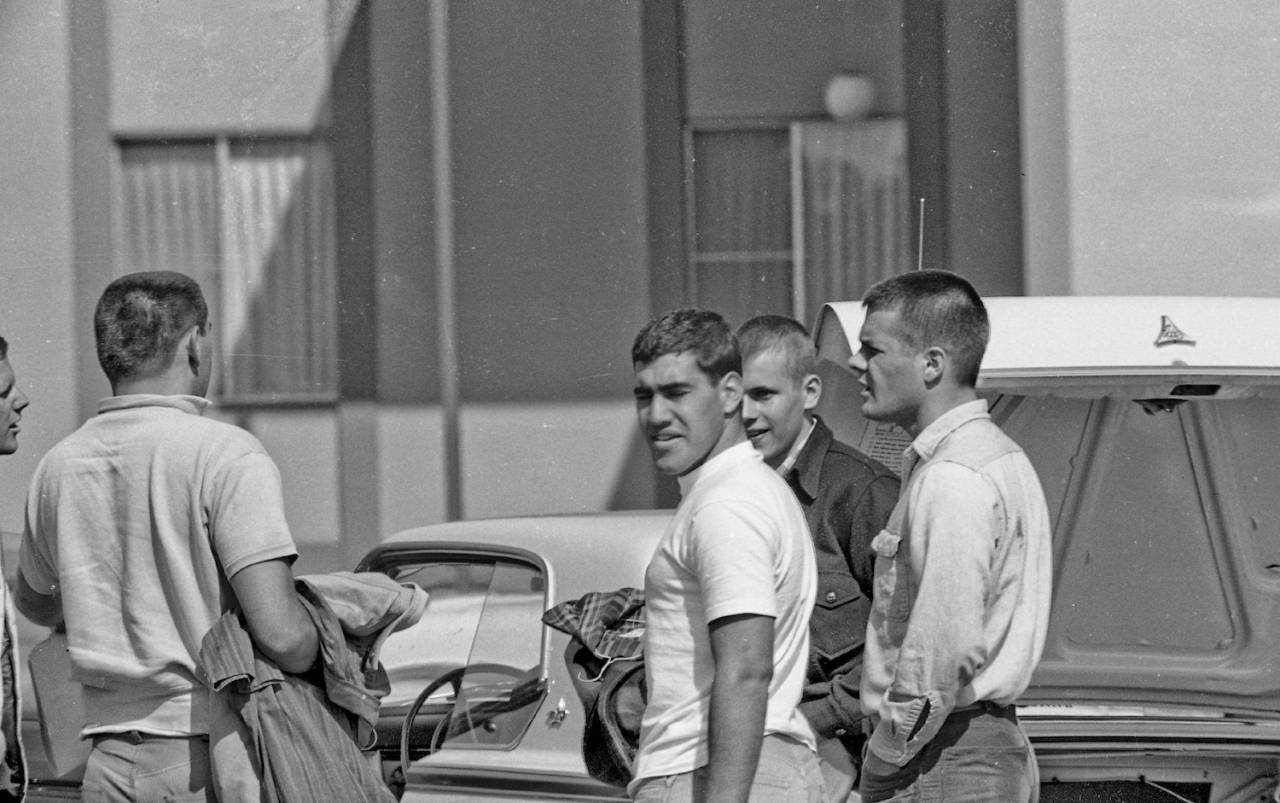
pixel 664 388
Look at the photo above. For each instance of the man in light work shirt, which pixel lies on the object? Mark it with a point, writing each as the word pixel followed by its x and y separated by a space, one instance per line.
pixel 847 498
pixel 963 577
pixel 729 590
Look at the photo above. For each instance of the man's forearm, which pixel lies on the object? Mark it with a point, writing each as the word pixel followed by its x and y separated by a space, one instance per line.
pixel 277 622
pixel 736 730
pixel 742 647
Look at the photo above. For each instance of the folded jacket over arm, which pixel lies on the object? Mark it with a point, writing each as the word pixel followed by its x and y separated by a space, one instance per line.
pixel 281 737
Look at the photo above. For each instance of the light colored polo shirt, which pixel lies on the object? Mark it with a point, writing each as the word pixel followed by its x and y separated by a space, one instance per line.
pixel 137 519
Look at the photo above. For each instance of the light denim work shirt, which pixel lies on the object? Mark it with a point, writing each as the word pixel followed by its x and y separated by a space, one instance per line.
pixel 962 583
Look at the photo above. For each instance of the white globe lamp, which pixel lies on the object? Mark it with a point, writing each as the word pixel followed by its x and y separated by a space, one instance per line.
pixel 849 96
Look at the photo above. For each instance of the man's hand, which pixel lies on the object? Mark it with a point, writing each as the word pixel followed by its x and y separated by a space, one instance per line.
pixel 43 609
pixel 742 647
pixel 277 622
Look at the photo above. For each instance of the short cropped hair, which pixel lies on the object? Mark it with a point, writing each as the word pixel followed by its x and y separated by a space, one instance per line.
pixel 703 333
pixel 141 317
pixel 765 332
pixel 937 308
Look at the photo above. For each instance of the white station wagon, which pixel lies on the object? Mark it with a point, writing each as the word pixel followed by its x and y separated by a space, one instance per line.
pixel 1154 424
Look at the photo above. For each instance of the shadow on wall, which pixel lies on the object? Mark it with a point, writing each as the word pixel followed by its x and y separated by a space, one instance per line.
pixel 280 277
pixel 639 485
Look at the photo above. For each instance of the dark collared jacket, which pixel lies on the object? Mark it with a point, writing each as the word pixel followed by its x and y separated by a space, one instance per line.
pixel 847 498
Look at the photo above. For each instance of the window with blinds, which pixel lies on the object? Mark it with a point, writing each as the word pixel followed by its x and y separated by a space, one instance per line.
pixel 740 221
pixel 252 220
pixel 784 218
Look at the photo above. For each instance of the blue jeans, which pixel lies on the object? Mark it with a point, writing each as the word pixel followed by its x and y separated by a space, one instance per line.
pixel 980 754
pixel 139 767
pixel 788 772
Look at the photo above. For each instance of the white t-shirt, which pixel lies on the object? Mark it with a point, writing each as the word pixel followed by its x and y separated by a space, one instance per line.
pixel 738 544
pixel 137 519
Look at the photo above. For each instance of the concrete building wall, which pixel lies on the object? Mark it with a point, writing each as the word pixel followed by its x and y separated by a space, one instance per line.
pixel 204 66
pixel 549 175
pixel 773 58
pixel 1151 165
pixel 36 243
pixel 560 114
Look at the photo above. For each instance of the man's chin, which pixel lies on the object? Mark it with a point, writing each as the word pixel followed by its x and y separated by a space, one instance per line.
pixel 870 413
pixel 668 464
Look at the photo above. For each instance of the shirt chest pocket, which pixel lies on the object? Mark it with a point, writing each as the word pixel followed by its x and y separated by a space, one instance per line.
pixel 839 624
pixel 893 578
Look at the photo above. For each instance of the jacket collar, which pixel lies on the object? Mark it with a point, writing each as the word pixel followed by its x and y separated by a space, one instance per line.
pixel 807 472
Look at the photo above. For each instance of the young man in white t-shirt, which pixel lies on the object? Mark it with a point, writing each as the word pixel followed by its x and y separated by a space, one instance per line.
pixel 729 590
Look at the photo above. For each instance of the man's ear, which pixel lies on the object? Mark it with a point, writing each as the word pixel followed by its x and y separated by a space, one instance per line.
pixel 812 386
pixel 936 362
pixel 731 392
pixel 192 345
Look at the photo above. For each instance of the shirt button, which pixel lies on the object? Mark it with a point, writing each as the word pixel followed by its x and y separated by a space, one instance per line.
pixel 841 731
pixel 831 596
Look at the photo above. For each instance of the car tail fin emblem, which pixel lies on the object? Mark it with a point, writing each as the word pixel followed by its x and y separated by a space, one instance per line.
pixel 1170 333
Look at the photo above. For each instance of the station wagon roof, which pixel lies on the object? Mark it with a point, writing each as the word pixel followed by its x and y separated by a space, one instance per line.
pixel 1060 337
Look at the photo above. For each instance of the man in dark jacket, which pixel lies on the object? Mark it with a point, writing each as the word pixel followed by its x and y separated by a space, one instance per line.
pixel 847 498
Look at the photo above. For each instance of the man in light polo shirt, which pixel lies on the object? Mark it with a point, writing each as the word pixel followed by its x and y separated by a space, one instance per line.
pixel 729 590
pixel 142 528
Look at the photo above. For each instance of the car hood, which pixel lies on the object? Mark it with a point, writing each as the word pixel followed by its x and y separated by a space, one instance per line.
pixel 1150 423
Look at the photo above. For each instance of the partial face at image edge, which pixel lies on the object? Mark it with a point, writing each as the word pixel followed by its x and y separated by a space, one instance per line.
pixel 12 402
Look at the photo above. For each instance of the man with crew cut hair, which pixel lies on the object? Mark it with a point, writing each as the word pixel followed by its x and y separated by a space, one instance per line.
pixel 847 498
pixel 963 576
pixel 729 590
pixel 142 528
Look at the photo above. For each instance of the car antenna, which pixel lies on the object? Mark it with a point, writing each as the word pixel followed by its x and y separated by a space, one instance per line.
pixel 920 238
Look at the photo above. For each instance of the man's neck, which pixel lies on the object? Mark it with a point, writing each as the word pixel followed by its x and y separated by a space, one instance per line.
pixel 792 454
pixel 733 434
pixel 938 403
pixel 163 385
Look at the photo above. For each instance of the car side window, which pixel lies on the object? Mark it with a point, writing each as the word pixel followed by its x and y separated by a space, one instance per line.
pixel 479 644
